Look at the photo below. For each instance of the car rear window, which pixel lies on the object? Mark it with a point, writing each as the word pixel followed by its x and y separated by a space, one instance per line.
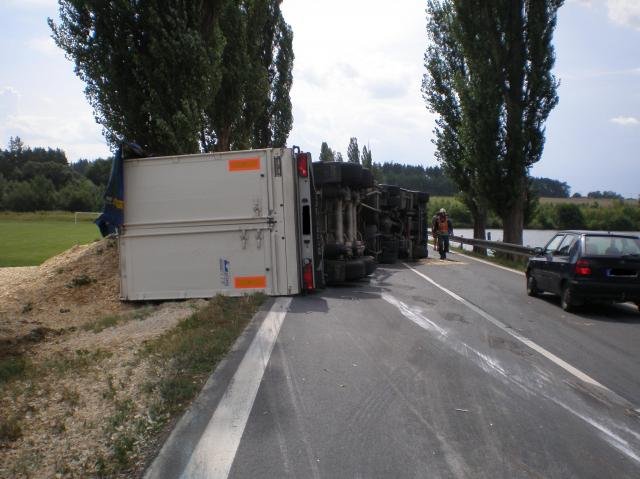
pixel 611 246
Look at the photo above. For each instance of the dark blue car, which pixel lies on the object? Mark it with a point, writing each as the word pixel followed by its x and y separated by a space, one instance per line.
pixel 584 267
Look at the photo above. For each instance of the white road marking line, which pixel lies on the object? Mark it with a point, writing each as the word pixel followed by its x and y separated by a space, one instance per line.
pixel 216 450
pixel 527 342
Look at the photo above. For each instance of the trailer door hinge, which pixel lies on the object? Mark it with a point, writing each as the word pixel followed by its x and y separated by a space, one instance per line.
pixel 259 238
pixel 243 238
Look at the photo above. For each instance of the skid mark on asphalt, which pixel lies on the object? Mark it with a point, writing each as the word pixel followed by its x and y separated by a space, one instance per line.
pixel 456 462
pixel 531 382
pixel 300 413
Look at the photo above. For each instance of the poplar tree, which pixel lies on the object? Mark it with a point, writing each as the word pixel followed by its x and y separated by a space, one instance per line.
pixel 353 151
pixel 367 161
pixel 150 68
pixel 497 59
pixel 464 135
pixel 326 153
pixel 181 76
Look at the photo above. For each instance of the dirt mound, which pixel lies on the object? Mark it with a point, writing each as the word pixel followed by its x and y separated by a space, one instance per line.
pixel 64 292
pixel 72 369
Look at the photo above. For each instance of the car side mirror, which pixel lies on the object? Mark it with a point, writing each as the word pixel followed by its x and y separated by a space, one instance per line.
pixel 538 251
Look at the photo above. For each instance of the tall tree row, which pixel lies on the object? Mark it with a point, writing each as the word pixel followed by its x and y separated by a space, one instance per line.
pixel 488 77
pixel 182 76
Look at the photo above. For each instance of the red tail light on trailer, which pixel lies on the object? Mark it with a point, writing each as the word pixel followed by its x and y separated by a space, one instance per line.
pixel 583 268
pixel 307 275
pixel 303 164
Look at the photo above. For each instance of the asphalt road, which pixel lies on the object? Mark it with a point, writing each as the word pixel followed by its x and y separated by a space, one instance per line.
pixel 436 370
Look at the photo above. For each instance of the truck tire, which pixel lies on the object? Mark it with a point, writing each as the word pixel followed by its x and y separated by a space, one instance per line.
pixel 369 216
pixel 331 190
pixel 335 271
pixel 420 251
pixel 369 264
pixel 355 269
pixel 394 201
pixel 389 253
pixel 326 173
pixel 351 174
pixel 422 197
pixel 335 250
pixel 366 178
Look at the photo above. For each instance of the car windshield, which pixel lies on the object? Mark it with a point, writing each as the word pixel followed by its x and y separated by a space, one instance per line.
pixel 611 246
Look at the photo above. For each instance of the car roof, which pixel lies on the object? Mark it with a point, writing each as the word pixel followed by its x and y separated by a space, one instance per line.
pixel 600 233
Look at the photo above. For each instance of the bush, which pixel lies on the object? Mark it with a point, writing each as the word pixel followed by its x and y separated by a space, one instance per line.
pixel 458 213
pixel 569 216
pixel 37 194
pixel 80 195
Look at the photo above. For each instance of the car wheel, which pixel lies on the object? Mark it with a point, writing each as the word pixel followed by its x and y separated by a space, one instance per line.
pixel 532 286
pixel 566 302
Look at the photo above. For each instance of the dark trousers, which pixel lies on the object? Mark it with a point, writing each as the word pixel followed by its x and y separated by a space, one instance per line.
pixel 443 245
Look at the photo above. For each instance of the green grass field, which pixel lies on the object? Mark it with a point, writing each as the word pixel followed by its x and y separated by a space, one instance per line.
pixel 28 239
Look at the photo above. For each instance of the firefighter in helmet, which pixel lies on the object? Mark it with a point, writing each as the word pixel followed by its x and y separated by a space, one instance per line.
pixel 442 228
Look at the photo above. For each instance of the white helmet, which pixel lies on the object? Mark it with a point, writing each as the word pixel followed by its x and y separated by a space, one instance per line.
pixel 443 211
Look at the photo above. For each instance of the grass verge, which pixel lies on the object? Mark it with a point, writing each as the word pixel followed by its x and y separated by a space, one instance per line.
pixel 180 361
pixel 497 258
pixel 105 322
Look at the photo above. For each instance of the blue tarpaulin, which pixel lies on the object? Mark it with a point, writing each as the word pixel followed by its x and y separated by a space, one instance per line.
pixel 112 216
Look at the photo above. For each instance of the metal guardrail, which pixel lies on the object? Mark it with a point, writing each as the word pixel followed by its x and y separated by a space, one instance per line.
pixel 493 245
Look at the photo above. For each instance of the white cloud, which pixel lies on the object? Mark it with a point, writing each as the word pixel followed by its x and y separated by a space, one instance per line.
pixel 44 45
pixel 9 100
pixel 584 3
pixel 28 3
pixel 624 12
pixel 625 120
pixel 359 74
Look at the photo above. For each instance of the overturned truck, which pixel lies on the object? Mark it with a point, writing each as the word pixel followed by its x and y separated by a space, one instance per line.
pixel 265 220
pixel 361 223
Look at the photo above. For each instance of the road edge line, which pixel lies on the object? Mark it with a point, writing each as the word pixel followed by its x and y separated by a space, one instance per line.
pixel 215 452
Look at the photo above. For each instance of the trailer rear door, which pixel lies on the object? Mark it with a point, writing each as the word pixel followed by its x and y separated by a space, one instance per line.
pixel 200 225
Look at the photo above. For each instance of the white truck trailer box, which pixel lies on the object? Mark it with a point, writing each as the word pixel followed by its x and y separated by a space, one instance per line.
pixel 223 223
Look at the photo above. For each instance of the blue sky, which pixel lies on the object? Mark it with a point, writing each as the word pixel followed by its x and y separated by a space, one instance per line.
pixel 357 73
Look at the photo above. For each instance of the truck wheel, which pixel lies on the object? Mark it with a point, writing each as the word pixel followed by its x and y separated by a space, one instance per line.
pixel 331 190
pixel 423 197
pixel 366 178
pixel 335 250
pixel 369 264
pixel 335 271
pixel 394 201
pixel 355 269
pixel 420 251
pixel 351 174
pixel 326 173
pixel 389 252
pixel 369 216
